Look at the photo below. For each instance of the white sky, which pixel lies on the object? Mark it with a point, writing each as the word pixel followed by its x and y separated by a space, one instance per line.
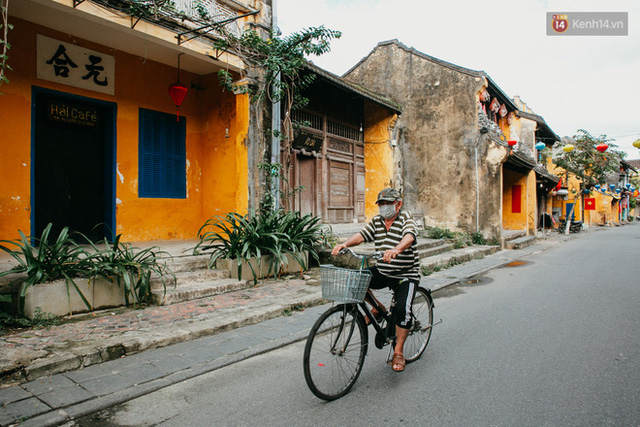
pixel 577 82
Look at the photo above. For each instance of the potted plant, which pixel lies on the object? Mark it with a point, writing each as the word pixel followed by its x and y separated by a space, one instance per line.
pixel 65 276
pixel 268 243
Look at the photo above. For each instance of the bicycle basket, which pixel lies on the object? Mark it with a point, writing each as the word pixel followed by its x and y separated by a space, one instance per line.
pixel 343 284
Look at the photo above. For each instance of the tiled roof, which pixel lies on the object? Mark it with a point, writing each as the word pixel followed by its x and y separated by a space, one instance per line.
pixel 353 87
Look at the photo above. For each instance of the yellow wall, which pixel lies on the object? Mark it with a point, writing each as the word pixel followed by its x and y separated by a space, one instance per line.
pixel 216 166
pixel 525 219
pixel 378 154
pixel 573 186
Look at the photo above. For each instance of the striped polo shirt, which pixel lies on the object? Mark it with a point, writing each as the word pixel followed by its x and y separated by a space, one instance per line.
pixel 407 264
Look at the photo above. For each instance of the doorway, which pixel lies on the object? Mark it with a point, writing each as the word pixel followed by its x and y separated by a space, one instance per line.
pixel 73 164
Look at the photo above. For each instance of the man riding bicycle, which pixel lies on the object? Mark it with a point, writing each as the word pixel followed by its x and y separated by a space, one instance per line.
pixel 394 232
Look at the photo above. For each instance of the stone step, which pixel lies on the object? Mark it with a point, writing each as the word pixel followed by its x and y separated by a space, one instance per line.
pixel 195 290
pixel 186 262
pixel 510 235
pixel 457 256
pixel 521 242
pixel 434 250
pixel 188 277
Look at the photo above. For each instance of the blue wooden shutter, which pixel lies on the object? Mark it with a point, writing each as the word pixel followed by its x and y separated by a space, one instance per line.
pixel 162 155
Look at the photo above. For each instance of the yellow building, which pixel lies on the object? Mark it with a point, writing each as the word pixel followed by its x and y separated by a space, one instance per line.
pixel 92 138
pixel 91 134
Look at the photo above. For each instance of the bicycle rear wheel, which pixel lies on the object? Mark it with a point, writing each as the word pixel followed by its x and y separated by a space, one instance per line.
pixel 420 332
pixel 335 351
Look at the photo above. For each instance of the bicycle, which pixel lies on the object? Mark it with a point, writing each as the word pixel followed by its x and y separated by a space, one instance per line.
pixel 338 341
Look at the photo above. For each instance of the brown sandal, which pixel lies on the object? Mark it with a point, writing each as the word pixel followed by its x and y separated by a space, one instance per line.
pixel 398 362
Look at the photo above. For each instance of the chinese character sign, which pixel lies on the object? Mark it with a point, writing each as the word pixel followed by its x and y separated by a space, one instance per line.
pixel 72 65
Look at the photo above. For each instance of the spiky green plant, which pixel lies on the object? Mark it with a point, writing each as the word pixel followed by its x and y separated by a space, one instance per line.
pixel 130 268
pixel 45 261
pixel 275 233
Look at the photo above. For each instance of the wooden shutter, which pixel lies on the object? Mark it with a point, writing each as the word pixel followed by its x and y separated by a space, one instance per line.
pixel 162 155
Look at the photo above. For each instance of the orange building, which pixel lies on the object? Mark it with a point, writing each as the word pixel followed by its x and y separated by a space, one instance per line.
pixel 91 135
pixel 92 139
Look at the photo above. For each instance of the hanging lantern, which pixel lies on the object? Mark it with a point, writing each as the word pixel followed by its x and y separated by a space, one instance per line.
pixel 177 92
pixel 627 185
pixel 612 186
pixel 636 143
pixel 540 146
pixel 597 186
pixel 568 148
pixel 512 142
pixel 602 147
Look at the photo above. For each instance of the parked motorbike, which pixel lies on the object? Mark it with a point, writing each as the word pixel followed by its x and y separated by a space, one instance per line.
pixel 575 227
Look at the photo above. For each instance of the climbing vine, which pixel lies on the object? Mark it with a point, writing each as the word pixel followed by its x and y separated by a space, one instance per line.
pixel 4 40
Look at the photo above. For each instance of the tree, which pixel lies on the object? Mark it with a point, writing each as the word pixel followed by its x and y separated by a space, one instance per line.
pixel 275 66
pixel 581 157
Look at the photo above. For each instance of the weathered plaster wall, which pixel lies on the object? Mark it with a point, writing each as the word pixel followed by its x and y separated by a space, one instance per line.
pixel 437 137
pixel 378 153
pixel 216 166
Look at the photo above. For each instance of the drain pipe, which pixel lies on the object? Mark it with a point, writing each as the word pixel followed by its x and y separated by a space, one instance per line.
pixel 275 122
pixel 483 130
pixel 477 192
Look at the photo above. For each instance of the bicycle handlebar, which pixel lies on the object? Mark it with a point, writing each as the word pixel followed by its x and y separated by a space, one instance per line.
pixel 374 255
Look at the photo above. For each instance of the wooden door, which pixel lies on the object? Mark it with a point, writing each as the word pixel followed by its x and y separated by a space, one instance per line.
pixel 306 199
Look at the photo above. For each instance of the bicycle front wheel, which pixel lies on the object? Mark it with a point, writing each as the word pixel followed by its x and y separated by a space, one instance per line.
pixel 335 351
pixel 420 332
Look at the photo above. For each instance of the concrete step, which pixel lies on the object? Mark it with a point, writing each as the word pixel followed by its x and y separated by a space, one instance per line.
pixel 521 242
pixel 195 290
pixel 186 262
pixel 434 250
pixel 456 256
pixel 188 277
pixel 510 235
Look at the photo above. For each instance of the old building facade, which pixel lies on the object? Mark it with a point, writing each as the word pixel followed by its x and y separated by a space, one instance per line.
pixel 468 162
pixel 91 132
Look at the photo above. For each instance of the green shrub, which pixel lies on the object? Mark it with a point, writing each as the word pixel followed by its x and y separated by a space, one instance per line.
pixel 478 239
pixel 274 233
pixel 439 233
pixel 461 240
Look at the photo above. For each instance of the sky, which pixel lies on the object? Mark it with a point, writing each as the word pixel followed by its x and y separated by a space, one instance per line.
pixel 573 82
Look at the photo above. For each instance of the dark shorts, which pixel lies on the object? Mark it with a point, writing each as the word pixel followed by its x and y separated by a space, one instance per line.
pixel 403 289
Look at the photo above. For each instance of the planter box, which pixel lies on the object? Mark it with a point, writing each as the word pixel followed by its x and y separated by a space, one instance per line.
pixel 53 298
pixel 261 269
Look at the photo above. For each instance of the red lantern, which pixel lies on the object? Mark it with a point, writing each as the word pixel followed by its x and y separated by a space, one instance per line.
pixel 177 91
pixel 512 142
pixel 602 147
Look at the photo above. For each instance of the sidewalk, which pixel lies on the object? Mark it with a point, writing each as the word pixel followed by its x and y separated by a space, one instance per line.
pixel 78 368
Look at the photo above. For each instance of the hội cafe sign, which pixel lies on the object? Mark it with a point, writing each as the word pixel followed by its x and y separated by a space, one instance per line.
pixel 73 65
pixel 76 114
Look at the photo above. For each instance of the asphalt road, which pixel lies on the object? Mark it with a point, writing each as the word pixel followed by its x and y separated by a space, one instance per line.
pixel 551 342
